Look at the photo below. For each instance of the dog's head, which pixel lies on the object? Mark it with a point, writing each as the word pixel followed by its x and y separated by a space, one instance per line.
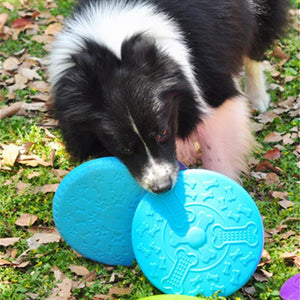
pixel 135 107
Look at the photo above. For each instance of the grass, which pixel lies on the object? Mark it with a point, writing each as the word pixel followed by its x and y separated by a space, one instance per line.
pixel 36 280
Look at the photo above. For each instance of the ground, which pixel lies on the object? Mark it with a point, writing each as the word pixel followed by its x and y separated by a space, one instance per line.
pixel 35 263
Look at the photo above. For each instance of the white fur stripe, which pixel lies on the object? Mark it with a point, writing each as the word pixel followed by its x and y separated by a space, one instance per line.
pixel 109 23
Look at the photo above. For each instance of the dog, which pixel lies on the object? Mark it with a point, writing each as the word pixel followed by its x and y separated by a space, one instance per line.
pixel 149 80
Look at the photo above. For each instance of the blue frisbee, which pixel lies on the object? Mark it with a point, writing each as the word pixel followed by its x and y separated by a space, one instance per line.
pixel 202 237
pixel 93 209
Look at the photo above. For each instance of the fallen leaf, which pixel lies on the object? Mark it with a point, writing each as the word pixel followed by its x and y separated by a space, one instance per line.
pixel 8 241
pixel 289 138
pixel 267 117
pixel 79 270
pixel 29 73
pixel 33 175
pixel 62 291
pixel 42 238
pixel 280 195
pixel 10 154
pixel 26 220
pixel 266 165
pixel 3 20
pixel 286 203
pixel 53 29
pixel 4 262
pixel 58 274
pixel 273 154
pixel 8 5
pixel 288 234
pixel 119 291
pixel 19 23
pixel 279 53
pixel 11 64
pixel 90 276
pixel 21 187
pixel 272 178
pixel 272 137
pixel 47 188
pixel 289 255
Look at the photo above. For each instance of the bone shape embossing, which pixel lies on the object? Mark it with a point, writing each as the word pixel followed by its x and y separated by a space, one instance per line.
pixel 227 268
pixel 207 196
pixel 215 288
pixel 212 277
pixel 235 217
pixel 229 192
pixel 246 234
pixel 153 270
pixel 144 250
pixel 162 263
pixel 236 254
pixel 155 248
pixel 154 230
pixel 183 262
pixel 211 184
pixel 197 280
pixel 245 260
pixel 140 231
pixel 235 277
pixel 244 210
pixel 222 203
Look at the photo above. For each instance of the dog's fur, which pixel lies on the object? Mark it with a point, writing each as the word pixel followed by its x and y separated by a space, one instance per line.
pixel 144 80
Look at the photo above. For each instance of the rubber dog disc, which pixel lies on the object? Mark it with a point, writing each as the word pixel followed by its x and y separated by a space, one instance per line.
pixel 93 210
pixel 291 288
pixel 204 236
pixel 172 297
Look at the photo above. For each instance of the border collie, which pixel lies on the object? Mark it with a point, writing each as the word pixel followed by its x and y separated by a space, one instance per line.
pixel 149 81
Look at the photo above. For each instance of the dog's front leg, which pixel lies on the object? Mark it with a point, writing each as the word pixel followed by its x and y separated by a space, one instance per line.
pixel 225 139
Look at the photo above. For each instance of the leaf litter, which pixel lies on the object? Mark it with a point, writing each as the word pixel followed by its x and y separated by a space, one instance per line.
pixel 23 71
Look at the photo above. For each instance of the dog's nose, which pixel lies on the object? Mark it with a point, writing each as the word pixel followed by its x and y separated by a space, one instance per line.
pixel 163 185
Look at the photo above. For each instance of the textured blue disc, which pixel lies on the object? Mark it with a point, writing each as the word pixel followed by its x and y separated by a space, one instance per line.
pixel 205 235
pixel 93 209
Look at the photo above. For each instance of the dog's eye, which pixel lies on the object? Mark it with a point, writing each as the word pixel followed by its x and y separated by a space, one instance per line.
pixel 162 136
pixel 126 151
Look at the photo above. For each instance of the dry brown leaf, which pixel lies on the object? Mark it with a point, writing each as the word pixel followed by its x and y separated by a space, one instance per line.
pixel 21 187
pixel 273 137
pixel 20 83
pixel 47 188
pixel 273 154
pixel 34 174
pixel 8 5
pixel 279 53
pixel 288 234
pixel 8 111
pixel 42 238
pixel 289 138
pixel 272 178
pixel 32 161
pixel 90 276
pixel 58 274
pixel 119 291
pixel 286 203
pixel 289 255
pixel 267 117
pixel 10 154
pixel 3 20
pixel 62 291
pixel 30 74
pixel 53 29
pixel 4 262
pixel 11 64
pixel 280 195
pixel 8 241
pixel 43 39
pixel 79 270
pixel 41 86
pixel 26 220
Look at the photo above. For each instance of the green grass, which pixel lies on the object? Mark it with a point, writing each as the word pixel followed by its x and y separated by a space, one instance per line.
pixel 37 277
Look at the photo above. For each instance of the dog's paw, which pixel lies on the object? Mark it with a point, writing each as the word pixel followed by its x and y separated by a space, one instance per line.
pixel 260 102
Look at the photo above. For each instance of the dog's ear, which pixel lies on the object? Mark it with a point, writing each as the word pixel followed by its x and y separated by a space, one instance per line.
pixel 188 112
pixel 95 57
pixel 140 50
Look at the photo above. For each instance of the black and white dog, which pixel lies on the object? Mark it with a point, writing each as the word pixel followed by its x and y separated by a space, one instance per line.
pixel 149 80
